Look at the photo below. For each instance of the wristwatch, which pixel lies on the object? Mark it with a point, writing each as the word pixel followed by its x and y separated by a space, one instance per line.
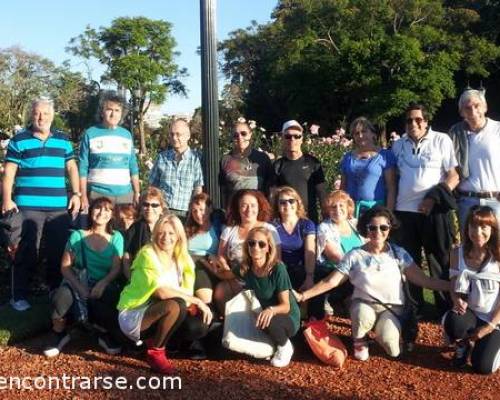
pixel 78 194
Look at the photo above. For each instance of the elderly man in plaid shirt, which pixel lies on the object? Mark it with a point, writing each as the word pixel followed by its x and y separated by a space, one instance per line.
pixel 177 170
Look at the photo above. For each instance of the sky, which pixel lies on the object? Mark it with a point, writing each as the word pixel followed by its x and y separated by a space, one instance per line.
pixel 46 26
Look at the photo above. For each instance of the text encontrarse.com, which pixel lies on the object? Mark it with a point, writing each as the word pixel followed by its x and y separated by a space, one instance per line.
pixel 68 382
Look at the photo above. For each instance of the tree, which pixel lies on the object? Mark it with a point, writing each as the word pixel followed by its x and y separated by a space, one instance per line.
pixel 331 61
pixel 138 53
pixel 23 77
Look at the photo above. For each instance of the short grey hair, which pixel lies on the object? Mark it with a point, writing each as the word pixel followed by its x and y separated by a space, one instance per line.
pixel 469 94
pixel 42 100
pixel 114 97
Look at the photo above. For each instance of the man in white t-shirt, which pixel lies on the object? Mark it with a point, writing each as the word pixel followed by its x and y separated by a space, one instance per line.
pixel 426 166
pixel 477 141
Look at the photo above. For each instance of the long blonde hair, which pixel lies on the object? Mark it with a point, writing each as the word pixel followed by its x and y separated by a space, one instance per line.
pixel 271 257
pixel 180 254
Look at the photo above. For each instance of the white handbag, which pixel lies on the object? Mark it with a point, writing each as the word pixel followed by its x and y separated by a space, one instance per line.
pixel 240 333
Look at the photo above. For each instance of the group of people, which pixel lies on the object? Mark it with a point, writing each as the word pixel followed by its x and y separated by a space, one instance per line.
pixel 163 277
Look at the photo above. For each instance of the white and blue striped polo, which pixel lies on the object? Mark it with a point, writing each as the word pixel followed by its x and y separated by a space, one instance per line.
pixel 41 174
pixel 107 160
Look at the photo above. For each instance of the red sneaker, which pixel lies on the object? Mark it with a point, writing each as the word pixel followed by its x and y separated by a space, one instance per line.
pixel 158 361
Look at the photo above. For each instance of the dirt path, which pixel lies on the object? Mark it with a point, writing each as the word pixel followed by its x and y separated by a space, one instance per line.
pixel 423 375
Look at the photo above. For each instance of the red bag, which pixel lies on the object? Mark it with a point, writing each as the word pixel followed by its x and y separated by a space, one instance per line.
pixel 324 344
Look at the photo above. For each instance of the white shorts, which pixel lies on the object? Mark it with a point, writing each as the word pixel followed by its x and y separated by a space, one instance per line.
pixel 130 321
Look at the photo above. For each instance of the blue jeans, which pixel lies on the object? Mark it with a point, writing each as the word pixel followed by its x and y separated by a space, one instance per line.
pixel 465 203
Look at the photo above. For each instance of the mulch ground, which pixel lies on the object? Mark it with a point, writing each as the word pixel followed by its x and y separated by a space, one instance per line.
pixel 425 374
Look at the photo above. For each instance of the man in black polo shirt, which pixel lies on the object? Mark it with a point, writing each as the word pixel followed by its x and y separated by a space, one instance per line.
pixel 301 171
pixel 244 167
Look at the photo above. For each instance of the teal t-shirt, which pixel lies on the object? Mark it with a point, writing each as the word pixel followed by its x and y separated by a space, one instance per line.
pixel 205 243
pixel 266 289
pixel 98 263
pixel 350 242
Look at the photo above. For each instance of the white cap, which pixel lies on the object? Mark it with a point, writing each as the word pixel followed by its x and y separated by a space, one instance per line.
pixel 292 124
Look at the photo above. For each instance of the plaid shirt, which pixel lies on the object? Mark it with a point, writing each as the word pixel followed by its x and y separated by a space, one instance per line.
pixel 177 180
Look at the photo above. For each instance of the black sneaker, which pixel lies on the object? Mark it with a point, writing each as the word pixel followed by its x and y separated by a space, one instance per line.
pixel 197 351
pixel 461 354
pixel 55 343
pixel 109 344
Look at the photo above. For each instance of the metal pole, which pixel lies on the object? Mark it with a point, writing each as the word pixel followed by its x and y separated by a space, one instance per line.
pixel 210 98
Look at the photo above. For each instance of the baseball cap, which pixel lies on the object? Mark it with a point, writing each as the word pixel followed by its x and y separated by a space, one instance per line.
pixel 292 124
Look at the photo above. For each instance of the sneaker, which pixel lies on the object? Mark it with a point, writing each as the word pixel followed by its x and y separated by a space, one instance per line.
pixel 55 343
pixel 361 352
pixel 158 361
pixel 109 344
pixel 461 354
pixel 283 355
pixel 20 305
pixel 197 351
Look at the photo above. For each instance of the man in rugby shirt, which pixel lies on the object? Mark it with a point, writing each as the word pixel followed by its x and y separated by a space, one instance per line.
pixel 38 159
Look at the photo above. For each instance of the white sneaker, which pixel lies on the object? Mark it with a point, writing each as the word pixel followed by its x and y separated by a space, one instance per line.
pixel 361 352
pixel 20 305
pixel 283 355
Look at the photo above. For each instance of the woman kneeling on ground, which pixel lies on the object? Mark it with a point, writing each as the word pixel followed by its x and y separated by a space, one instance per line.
pixel 263 273
pixel 89 265
pixel 473 323
pixel 159 301
pixel 376 270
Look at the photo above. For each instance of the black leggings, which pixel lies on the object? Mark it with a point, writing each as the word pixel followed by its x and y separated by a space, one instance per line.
pixel 486 353
pixel 281 329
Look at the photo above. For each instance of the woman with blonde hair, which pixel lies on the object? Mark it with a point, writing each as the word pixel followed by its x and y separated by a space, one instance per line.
pixel 298 237
pixel 263 272
pixel 337 235
pixel 159 301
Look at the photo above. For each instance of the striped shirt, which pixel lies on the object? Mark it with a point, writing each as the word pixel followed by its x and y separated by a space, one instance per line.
pixel 107 160
pixel 177 180
pixel 40 180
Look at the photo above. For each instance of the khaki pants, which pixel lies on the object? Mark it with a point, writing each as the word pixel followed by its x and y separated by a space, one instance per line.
pixel 368 316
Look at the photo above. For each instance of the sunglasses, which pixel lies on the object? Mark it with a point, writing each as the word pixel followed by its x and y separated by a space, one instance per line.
pixel 240 133
pixel 417 120
pixel 289 136
pixel 253 243
pixel 148 204
pixel 283 202
pixel 381 228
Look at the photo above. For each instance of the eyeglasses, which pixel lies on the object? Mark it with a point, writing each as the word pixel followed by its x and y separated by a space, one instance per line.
pixel 417 120
pixel 240 133
pixel 283 202
pixel 253 243
pixel 382 228
pixel 153 205
pixel 289 136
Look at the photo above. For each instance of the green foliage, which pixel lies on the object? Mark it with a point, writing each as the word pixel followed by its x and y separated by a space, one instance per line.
pixel 25 76
pixel 330 61
pixel 139 55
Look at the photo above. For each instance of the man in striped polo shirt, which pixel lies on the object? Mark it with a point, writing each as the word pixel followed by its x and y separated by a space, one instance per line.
pixel 37 161
pixel 108 165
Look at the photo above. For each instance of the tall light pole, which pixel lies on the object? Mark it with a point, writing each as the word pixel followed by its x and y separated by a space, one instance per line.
pixel 209 99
